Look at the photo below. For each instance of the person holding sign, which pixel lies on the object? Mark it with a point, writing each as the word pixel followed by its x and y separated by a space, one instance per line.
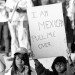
pixel 60 66
pixel 68 25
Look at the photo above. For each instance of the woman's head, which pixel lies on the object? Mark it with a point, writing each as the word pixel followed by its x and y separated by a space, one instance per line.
pixel 21 59
pixel 59 65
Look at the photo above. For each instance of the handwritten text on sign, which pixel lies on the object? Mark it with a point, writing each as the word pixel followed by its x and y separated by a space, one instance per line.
pixel 47 30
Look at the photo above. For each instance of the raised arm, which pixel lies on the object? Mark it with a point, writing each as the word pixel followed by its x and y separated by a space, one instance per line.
pixel 40 69
pixel 69 57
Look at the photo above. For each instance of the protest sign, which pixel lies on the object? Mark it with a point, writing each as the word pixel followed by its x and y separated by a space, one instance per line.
pixel 47 30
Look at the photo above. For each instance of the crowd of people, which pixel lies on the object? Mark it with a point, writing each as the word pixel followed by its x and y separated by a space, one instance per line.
pixel 14 24
pixel 21 65
pixel 14 20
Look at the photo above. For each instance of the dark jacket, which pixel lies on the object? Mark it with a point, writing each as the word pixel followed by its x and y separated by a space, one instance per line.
pixel 41 70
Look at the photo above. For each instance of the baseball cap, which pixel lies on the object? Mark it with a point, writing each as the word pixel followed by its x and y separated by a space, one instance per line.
pixel 21 50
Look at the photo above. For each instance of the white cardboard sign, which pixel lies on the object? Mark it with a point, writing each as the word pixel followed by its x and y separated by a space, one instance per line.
pixel 47 31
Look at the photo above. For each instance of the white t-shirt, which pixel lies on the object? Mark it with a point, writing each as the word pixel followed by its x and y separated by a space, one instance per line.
pixel 22 4
pixel 3 13
pixel 71 9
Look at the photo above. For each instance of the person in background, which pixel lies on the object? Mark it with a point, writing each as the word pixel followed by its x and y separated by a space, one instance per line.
pixel 71 11
pixel 21 64
pixel 71 14
pixel 18 24
pixel 68 25
pixel 4 25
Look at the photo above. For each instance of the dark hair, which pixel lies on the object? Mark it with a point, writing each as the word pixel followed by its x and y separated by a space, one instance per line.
pixel 60 59
pixel 38 2
pixel 25 58
pixel 35 2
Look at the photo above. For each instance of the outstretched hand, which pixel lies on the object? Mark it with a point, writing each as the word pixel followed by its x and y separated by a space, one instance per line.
pixel 31 54
pixel 35 60
pixel 69 56
pixel 68 53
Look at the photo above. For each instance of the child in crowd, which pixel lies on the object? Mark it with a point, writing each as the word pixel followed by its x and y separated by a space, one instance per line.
pixel 21 65
pixel 68 25
pixel 60 66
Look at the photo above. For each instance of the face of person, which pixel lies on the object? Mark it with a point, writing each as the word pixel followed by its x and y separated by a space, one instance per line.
pixel 19 62
pixel 60 67
pixel 44 2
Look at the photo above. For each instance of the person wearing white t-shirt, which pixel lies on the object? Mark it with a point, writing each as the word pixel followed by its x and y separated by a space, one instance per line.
pixel 18 23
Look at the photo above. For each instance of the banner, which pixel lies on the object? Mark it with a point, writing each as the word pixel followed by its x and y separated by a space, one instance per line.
pixel 47 30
